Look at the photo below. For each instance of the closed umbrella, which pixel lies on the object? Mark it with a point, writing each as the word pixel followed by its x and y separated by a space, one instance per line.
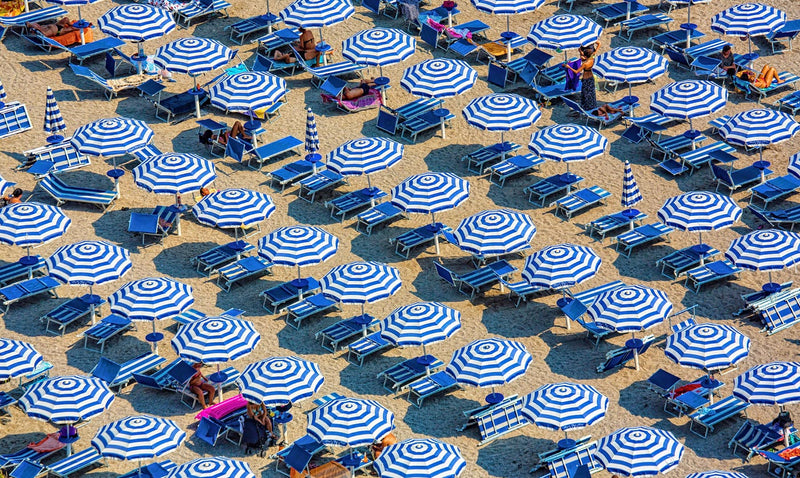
pixel 631 195
pixel 54 123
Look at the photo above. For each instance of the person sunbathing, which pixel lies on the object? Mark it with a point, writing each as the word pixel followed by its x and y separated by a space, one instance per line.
pixel 54 29
pixel 305 45
pixel 199 384
pixel 237 131
pixel 606 110
pixel 764 79
pixel 359 91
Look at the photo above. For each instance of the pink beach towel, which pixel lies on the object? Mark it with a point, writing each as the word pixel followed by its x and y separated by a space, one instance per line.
pixel 224 408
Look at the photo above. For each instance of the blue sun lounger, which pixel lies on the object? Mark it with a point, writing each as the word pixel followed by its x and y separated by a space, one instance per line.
pixel 63 193
pixel 248 26
pixel 117 376
pixel 157 224
pixel 308 307
pixel 481 157
pixel 277 39
pixel 80 461
pixel 291 173
pixel 642 235
pixel 430 385
pixel 477 281
pixel 753 437
pixel 397 376
pixel 334 335
pixel 318 183
pixel 55 158
pixel 618 358
pixel 423 235
pixel 79 52
pixel 364 347
pixel 27 469
pixel 554 454
pixel 379 214
pixel 522 290
pixel 16 270
pixel 616 12
pixel 609 223
pixel 13 119
pixel 781 218
pixel 577 463
pixel 353 201
pixel 298 454
pixel 556 184
pixel 201 8
pixel 695 159
pixel 209 261
pixel 736 178
pixel 423 122
pixel 287 293
pixel 600 120
pixel 755 301
pixel 774 189
pixel 6 401
pixel 710 272
pixel 790 102
pixel 513 166
pixel 39 15
pixel 11 460
pixel 192 315
pixel 28 288
pixel 161 469
pixel 581 200
pixel 674 37
pixel 714 414
pixel 780 315
pixel 320 72
pixel 271 150
pixel 247 268
pixel 104 330
pixel 111 89
pixel 643 22
pixel 499 420
pixel 674 264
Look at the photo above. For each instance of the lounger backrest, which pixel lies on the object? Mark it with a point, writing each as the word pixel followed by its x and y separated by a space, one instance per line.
pixel 235 149
pixel 208 430
pixel 429 35
pixel 106 370
pixel 497 75
pixel 387 121
pixel 445 274
pixel 88 74
pixel 14 119
pixel 372 5
pixel 572 105
pixel 722 174
pixel 676 55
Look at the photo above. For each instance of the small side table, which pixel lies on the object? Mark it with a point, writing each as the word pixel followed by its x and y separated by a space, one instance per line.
pixel 565 444
pixel 771 287
pixel 68 435
pixel 761 166
pixel 217 379
pixel 631 101
pixel 154 338
pixel 115 174
pixel 494 398
pixel 381 83
pixel 692 135
pixel 690 29
pixel 323 49
pixel 441 113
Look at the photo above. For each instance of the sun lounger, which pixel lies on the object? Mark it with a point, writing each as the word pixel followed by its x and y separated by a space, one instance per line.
pixel 755 301
pixel 497 50
pixel 674 38
pixel 320 73
pixel 600 120
pixel 710 272
pixel 55 158
pixel 581 200
pixel 618 358
pixel 389 120
pixel 277 39
pixel 790 102
pixel 246 268
pixel 268 151
pixel 782 218
pixel 753 437
pixel 27 469
pixel 157 224
pixel 16 270
pixel 63 193
pixel 679 402
pixel 178 106
pixel 609 223
pixel 161 469
pixel 714 414
pixel 111 87
pixel 535 58
pixel 201 8
pixel 787 32
pixel 396 377
pixel 210 430
pixel 706 48
pixel 780 315
pixel 673 145
pixel 556 184
pixel 556 73
pixel 556 453
pixel 736 178
pixel 166 378
pixel 322 181
pixel 28 288
pixel 480 158
pixel 39 15
pixel 117 376
pixel 291 173
pixel 423 122
pixel 644 22
pixel 384 7
pixel 513 166
pixel 789 79
pixel 574 310
pixel 430 385
pixel 297 454
pixel 774 189
pixel 282 295
pixel 104 330
pixel 353 201
pixel 42 372
pixel 46 447
pixel 578 462
pixel 369 101
pixel 189 316
pixel 248 26
pixel 13 119
pixel 421 236
pixel 209 261
pixel 379 214
pixel 6 401
pixel 476 281
pixel 642 235
pixel 674 264
pixel 522 290
pixel 78 462
pixel 364 347
pixel 334 335
pixel 495 421
pixel 79 52
pixel 695 159
pixel 615 12
pixel 308 307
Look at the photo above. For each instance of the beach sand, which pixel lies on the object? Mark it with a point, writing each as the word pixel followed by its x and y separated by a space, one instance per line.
pixel 559 354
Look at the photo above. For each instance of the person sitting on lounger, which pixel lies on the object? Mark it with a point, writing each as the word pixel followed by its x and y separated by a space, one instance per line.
pixel 359 91
pixel 199 384
pixel 14 197
pixel 764 79
pixel 378 447
pixel 306 45
pixel 55 29
pixel 260 413
pixel 784 423
pixel 237 131
pixel 726 59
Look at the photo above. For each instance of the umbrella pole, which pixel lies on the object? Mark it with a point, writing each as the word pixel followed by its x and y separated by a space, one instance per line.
pixel 154 343
pixel 219 387
pixel 371 195
pixel 508 40
pixel 79 25
pixel 364 326
pixel 28 255
pixel 269 25
pixel 635 353
pixel 196 98
pixel 700 246
pixel 435 234
pixel 91 295
pixel 142 59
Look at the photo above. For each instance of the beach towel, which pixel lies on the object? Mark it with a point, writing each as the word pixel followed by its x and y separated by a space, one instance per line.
pixel 222 409
pixel 686 388
pixel 368 101
pixel 573 80
pixel 11 9
pixel 457 33
pixel 47 444
pixel 789 453
pixel 74 37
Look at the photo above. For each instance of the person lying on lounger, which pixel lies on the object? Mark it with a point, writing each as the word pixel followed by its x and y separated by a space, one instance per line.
pixel 359 91
pixel 764 79
pixel 237 131
pixel 199 384
pixel 55 29
pixel 305 45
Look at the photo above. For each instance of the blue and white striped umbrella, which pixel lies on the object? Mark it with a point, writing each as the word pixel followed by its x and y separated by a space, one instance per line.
pixel 759 128
pixel 280 380
pixel 562 32
pixel 67 399
pixel 298 246
pixel 501 112
pixel 639 451
pixel 793 168
pixel 707 346
pixel 776 383
pixel 631 195
pixel 699 211
pixel 561 266
pixel 361 282
pixel 215 340
pixel 420 458
pixel 212 467
pixel 365 156
pixel 688 99
pixel 31 223
pixel 350 422
pixel 630 64
pixel 421 323
pixel 316 13
pixel 174 173
pixel 495 232
pixel 630 309
pixel 312 137
pixel 379 47
pixel 53 121
pixel 568 143
pixel 192 55
pixel 17 358
pixel 5 185
pixel 766 250
pixel 247 91
pixel 564 406
pixel 111 137
pixel 507 7
pixel 439 78
pixel 138 438
pixel 748 19
pixel 233 208
pixel 136 22
pixel 429 193
pixel 89 263
pixel 717 474
pixel 152 298
pixel 489 362
pixel 3 95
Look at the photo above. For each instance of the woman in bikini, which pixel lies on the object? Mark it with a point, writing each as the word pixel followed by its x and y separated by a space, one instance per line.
pixel 305 45
pixel 588 90
pixel 55 29
pixel 764 79
pixel 359 91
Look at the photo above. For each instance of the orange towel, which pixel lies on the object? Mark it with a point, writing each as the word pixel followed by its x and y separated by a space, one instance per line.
pixel 47 444
pixel 789 453
pixel 71 38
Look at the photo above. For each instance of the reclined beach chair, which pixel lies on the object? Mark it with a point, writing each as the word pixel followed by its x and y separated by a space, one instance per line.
pixel 642 235
pixel 477 281
pixel 423 122
pixel 600 120
pixel 787 32
pixel 51 159
pixel 160 469
pixel 480 158
pixel 320 73
pixel 178 106
pixel 716 413
pixel 736 178
pixel 531 75
pixel 33 452
pixel 201 8
pixel 695 159
pixel 789 79
pixel 522 290
pixel 282 295
pixel 6 401
pixel 364 347
pixel 117 376
pixel 397 376
pixel 336 334
pixel 63 193
pixel 389 120
pixel 308 307
pixel 616 12
pixel 430 385
pixel 780 315
pixel 249 26
pixel 674 38
pixel 618 358
pixel 710 272
pixel 320 182
pixel 291 173
pixel 674 264
pixel 420 236
pixel 157 224
pixel 353 201
pixel 556 453
pixel 497 50
pixel 271 150
pixel 14 271
pixel 297 454
pixel 790 102
pixel 13 119
pixel 774 189
pixel 383 213
pixel 28 288
pixel 79 52
pixel 580 201
pixel 499 420
pixel 513 166
pixel 39 15
pixel 673 145
pixel 189 316
pixel 780 218
pixel 579 463
pixel 609 223
pixel 556 184
pixel 246 268
pixel 209 261
pixel 104 330
pixel 574 310
pixel 707 48
pixel 753 437
pixel 554 74
pixel 643 22
pixel 277 39
pixel 535 58
pixel 77 462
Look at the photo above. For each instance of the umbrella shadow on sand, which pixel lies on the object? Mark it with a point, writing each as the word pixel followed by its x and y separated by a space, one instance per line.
pixel 173 260
pixel 504 460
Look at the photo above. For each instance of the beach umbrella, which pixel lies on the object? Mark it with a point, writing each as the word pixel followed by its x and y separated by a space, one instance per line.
pixel 639 451
pixel 361 282
pixel 630 64
pixel 233 209
pixel 564 406
pixel 350 422
pixel 489 363
pixel 138 438
pixel 365 156
pixel 297 246
pixel 748 20
pixel 421 323
pixel 17 358
pixel 563 32
pixel 81 23
pixel 247 92
pixel 501 112
pixel 420 458
pixel 53 121
pixel 31 224
pixel 507 8
pixel 776 383
pixel 3 95
pixel 717 474
pixel 495 232
pixel 631 195
pixel 317 14
pixel 689 99
pixel 193 56
pixel 277 381
pixel 136 23
pixel 757 129
pixel 793 168
pixel 151 299
pixel 174 173
pixel 112 137
pixel 568 143
pixel 312 137
pixel 212 467
pixel 561 266
pixel 4 185
pixel 766 250
pixel 379 47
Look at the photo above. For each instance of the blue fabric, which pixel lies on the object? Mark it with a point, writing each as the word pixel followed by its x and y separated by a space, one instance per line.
pixel 573 80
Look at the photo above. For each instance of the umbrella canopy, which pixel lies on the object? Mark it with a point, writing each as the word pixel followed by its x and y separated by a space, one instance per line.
pixel 361 282
pixel 501 112
pixel 111 137
pixel 562 32
pixel 765 250
pixel 247 91
pixel 717 474
pixel 631 195
pixel 630 309
pixel 138 437
pixel 365 156
pixel 5 185
pixel 312 137
pixel 429 193
pixel 707 346
pixel 568 143
pixel 174 173
pixel 759 128
pixel 699 211
pixel 3 95
pixel 421 323
pixel 748 19
pixel 495 232
pixel 233 208
pixel 793 169
pixel 67 399
pixel 439 78
pixel 564 406
pixel 212 467
pixel 89 263
pixel 316 13
pixel 776 383
pixel 561 266
pixel 420 458
pixel 136 23
pixel 350 422
pixel 639 451
pixel 31 223
pixel 17 358
pixel 53 121
pixel 153 298
pixel 507 7
pixel 689 99
pixel 280 380
pixel 489 362
pixel 215 340
pixel 630 64
pixel 298 246
pixel 379 47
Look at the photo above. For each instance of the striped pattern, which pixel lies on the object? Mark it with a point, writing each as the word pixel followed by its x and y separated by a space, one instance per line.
pixel 707 346
pixel 793 169
pixel 568 142
pixel 699 211
pixel 138 438
pixel 136 22
pixel 312 137
pixel 215 340
pixel 361 282
pixel 151 299
pixel 174 173
pixel 17 358
pixel 112 137
pixel 67 399
pixel 759 128
pixel 564 406
pixel 420 458
pixel 630 308
pixel 247 91
pixel 689 99
pixel 379 47
pixel 4 184
pixel 430 192
pixel 53 121
pixel 72 2
pixel 776 383
pixel 639 451
pixel 501 112
pixel 748 19
pixel 3 95
pixel 561 266
pixel 421 323
pixel 280 380
pixel 717 474
pixel 507 7
pixel 630 190
pixel 630 64
pixel 438 78
pixel 562 32
pixel 365 156
pixel 212 467
pixel 350 422
pixel 316 13
pixel 489 362
pixel 298 246
pixel 498 231
pixel 192 55
pixel 31 223
pixel 765 250
pixel 89 262
pixel 233 208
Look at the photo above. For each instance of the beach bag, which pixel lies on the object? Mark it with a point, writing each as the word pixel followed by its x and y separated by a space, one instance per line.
pixel 255 437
